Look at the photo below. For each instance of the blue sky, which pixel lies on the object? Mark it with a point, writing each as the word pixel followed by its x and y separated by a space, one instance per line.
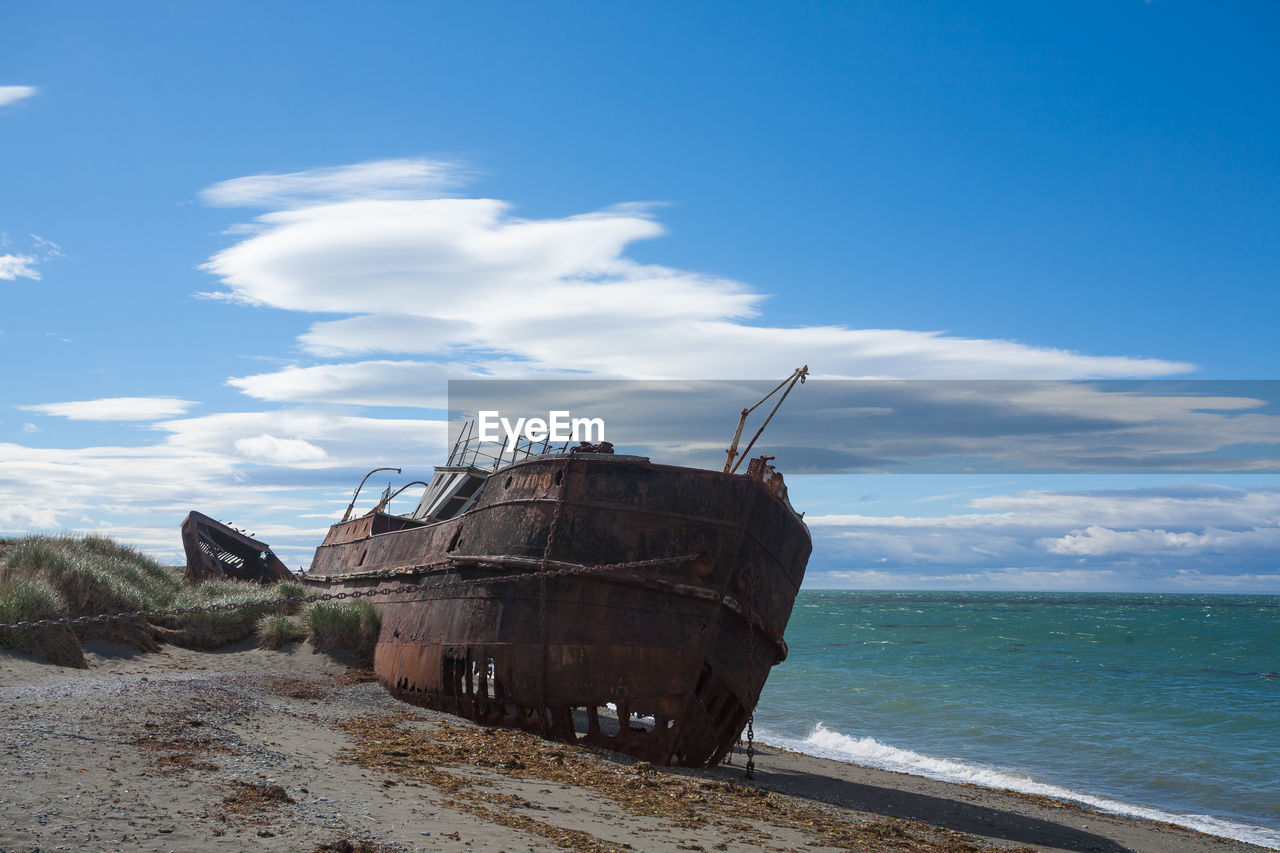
pixel 254 240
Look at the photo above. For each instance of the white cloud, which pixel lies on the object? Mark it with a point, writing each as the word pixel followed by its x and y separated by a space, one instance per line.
pixel 115 408
pixel 466 279
pixel 11 94
pixel 13 267
pixel 279 451
pixel 267 470
pixel 1219 506
pixel 864 578
pixel 64 485
pixel 24 517
pixel 377 179
pixel 1177 506
pixel 141 494
pixel 30 428
pixel 389 332
pixel 1019 579
pixel 47 248
pixel 1098 541
pixel 365 383
pixel 343 438
pixel 1193 580
pixel 1140 534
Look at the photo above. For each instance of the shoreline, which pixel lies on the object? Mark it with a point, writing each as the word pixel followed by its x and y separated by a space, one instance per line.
pixel 292 750
pixel 1052 793
pixel 887 791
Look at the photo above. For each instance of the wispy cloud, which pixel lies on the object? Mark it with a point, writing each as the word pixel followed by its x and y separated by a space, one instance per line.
pixel 1122 538
pixel 279 451
pixel 114 408
pixel 1033 579
pixel 376 179
pixel 363 383
pixel 47 248
pixel 270 470
pixel 12 94
pixel 1178 506
pixel 1099 541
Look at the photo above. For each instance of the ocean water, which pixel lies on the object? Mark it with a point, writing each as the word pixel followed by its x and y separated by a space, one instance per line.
pixel 1165 707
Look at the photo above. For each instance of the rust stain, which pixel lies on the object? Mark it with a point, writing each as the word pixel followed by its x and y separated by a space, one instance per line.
pixel 662 660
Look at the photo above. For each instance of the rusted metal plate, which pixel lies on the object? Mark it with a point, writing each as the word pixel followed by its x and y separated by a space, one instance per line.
pixel 216 551
pixel 675 613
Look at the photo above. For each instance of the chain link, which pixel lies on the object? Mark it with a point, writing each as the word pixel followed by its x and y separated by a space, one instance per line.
pixel 751 675
pixel 340 596
pixel 208 608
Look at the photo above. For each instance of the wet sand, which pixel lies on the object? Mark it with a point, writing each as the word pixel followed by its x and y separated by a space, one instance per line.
pixel 292 750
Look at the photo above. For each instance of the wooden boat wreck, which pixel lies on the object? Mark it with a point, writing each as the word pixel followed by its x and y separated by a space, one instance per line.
pixel 585 595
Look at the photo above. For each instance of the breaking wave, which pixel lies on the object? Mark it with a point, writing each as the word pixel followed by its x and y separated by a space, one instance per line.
pixel 826 743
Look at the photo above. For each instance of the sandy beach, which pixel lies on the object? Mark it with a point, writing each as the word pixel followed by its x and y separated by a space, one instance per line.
pixel 293 750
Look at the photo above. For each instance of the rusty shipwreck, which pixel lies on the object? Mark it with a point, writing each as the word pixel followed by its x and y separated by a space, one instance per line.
pixel 586 595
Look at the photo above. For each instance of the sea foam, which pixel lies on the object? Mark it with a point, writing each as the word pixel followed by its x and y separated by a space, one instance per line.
pixel 826 743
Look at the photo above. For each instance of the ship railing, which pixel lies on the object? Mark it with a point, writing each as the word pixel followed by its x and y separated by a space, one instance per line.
pixel 470 451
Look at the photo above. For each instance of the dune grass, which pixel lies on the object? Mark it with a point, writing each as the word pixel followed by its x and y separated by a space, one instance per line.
pixel 293 591
pixel 209 630
pixel 276 631
pixel 349 626
pixel 94 574
pixel 88 575
pixel 45 577
pixel 23 600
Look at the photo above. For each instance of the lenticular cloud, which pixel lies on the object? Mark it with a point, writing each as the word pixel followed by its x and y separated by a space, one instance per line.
pixel 477 289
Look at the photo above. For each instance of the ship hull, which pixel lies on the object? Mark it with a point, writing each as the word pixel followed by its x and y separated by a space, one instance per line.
pixel 604 600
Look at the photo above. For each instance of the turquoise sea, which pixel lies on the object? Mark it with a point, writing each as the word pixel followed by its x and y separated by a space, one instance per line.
pixel 1160 706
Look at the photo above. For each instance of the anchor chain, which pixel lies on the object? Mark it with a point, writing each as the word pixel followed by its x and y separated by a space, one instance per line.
pixel 750 772
pixel 208 608
pixel 338 596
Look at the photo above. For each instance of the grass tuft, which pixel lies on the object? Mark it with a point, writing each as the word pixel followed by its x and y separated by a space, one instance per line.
pixel 209 630
pixel 276 631
pixel 343 626
pixel 293 591
pixel 23 600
